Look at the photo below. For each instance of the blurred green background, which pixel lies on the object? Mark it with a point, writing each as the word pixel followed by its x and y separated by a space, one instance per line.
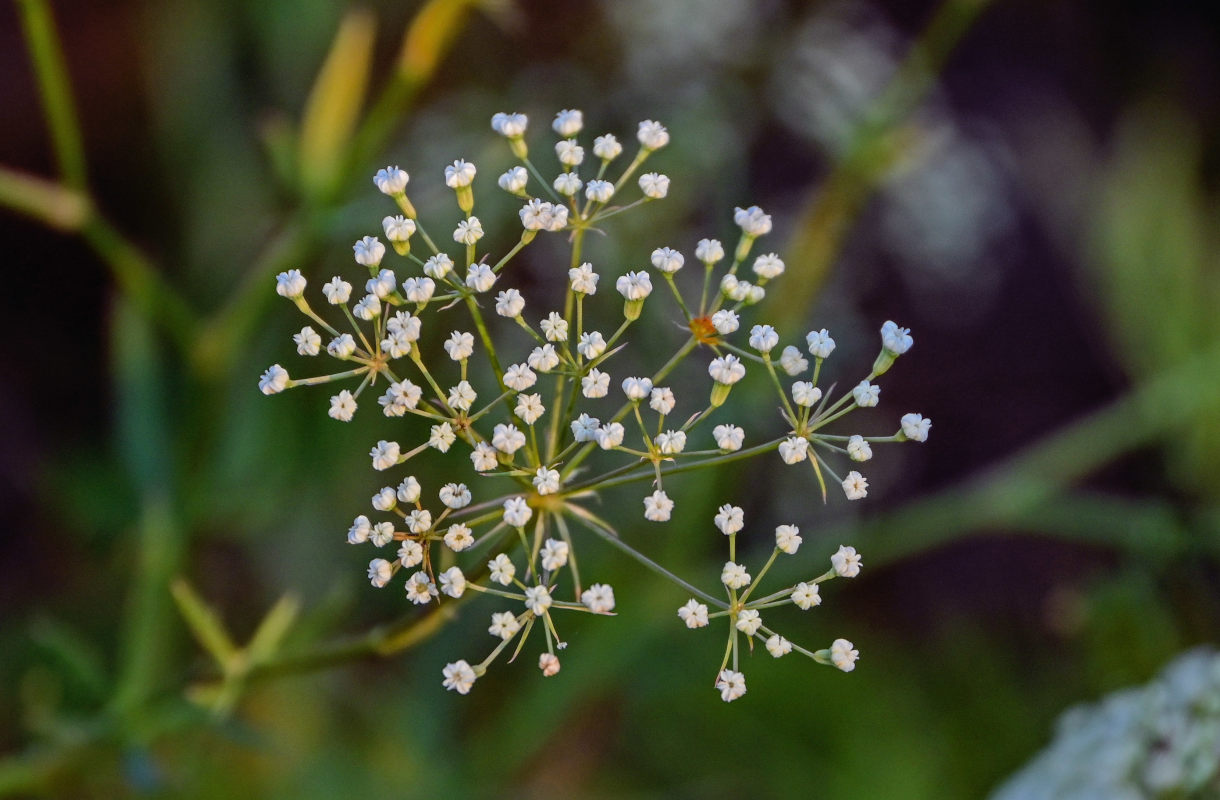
pixel 1031 186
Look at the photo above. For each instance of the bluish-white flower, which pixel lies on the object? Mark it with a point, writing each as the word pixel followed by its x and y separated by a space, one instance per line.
pixel 661 400
pixel 410 553
pixel 726 370
pixel 468 231
pixel 855 486
pixel 504 625
pixel 805 394
pixel 866 394
pixel 607 147
pixel 380 572
pixel 599 191
pixel 568 122
pixel 510 303
pixel 895 340
pixel 768 266
pixel 459 174
pixel 502 570
pixel 583 279
pixel 384 454
pixel 794 449
pixel 553 555
pixel 554 327
pixel 398 229
pixel 596 384
pixel 342 406
pixel 369 251
pixel 459 537
pixel 652 135
pixel 846 562
pixel 728 437
pixel 368 307
pixel 805 596
pixel 359 531
pixel 763 338
pixel 569 153
pixel 462 396
pixel 546 480
pixel 748 622
pixel 670 442
pixel 734 576
pixel 453 582
pixel 788 538
pixel 529 408
pixel 778 646
pixel 510 126
pixel 915 427
pixel 567 183
pixel 709 251
pixel 438 266
pixel 843 654
pixel 658 507
pixel 636 388
pixel 459 345
pixel 385 499
pixel 455 495
pixel 537 599
pixel 409 490
pixel 598 598
pixel 342 346
pixel 693 614
pixel 654 185
pixel 610 435
pixel 399 397
pixel 514 180
pixel 792 362
pixel 337 291
pixel 752 221
pixel 517 512
pixel 731 685
pixel 725 321
pixel 308 342
pixel 418 290
pixel 730 519
pixel 290 284
pixel 391 180
pixel 441 437
pixel 420 590
pixel 591 344
pixel 483 457
pixel 820 344
pixel 459 677
pixel 544 358
pixel 667 260
pixel 418 520
pixel 519 377
pixel 858 449
pixel 382 534
pixel 480 277
pixel 507 438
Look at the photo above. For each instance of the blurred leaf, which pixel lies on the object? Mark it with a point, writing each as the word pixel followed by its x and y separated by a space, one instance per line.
pixel 334 103
pixel 429 38
pixel 78 660
pixel 274 627
pixel 204 623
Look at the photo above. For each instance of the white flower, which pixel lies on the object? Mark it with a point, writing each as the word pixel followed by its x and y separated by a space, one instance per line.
pixel 507 438
pixel 728 437
pixel 509 303
pixel 788 538
pixel 652 135
pixel 537 215
pixel 459 537
pixel 290 284
pixel 358 533
pixel 341 346
pixel 709 251
pixel 368 252
pixel 274 380
pixel 846 562
pixel 636 388
pixel 382 534
pixel 843 654
pixel 569 153
pixel 670 442
pixel 384 454
pixel 855 486
pixel 591 345
pixel 368 308
pixel 537 599
pixel 598 598
pixel 554 554
pixel 396 344
pixel 752 221
pixel 468 231
pixel 459 345
pixel 734 576
pixel 420 588
pixel 453 582
pixel 383 284
pixel 596 384
pixel 410 553
pixel 502 569
pixel 517 512
pixel 725 321
pixel 544 358
pixel 519 377
pixel 391 180
pixel 726 370
pixel 483 457
pixel 399 397
pixel 763 338
pixel 805 394
pixel 768 266
pixel 567 183
pixel 634 285
pixel 337 291
pixel 584 428
pixel 778 646
pixel 568 122
pixel 694 614
pixel 419 520
pixel 504 625
pixel 441 437
pixel 748 622
pixel 529 408
pixel 734 288
pixel 549 664
pixel 610 435
pixel 418 290
pixel 583 279
pixel 607 147
pixel 480 277
pixel 460 173
pixel 658 507
pixel 731 685
pixel 661 400
pixel 462 396
pixel 730 519
pixel 455 495
pixel 667 260
pixel 866 394
pixel 380 572
pixel 438 266
pixel 406 323
pixel 555 327
pixel 805 596
pixel 915 427
pixel 546 480
pixel 794 449
pixel 858 449
pixel 513 180
pixel 654 185
pixel 409 490
pixel 385 499
pixel 792 362
pixel 398 229
pixel 459 677
pixel 599 190
pixel 895 340
pixel 820 343
pixel 510 126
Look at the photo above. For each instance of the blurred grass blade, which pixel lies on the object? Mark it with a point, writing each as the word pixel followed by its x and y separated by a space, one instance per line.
pixel 204 623
pixel 78 660
pixel 334 103
pixel 47 58
pixel 51 204
pixel 271 631
pixel 429 38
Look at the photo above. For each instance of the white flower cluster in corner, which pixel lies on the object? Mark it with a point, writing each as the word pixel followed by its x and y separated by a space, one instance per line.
pixel 552 396
pixel 1160 740
pixel 744 605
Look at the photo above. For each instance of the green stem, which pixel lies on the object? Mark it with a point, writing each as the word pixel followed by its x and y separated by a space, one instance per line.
pixel 55 90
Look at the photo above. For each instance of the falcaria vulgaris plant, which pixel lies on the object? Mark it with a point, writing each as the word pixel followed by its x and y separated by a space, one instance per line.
pixel 555 422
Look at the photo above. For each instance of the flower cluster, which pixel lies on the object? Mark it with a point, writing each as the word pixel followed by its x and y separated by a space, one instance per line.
pixel 545 407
